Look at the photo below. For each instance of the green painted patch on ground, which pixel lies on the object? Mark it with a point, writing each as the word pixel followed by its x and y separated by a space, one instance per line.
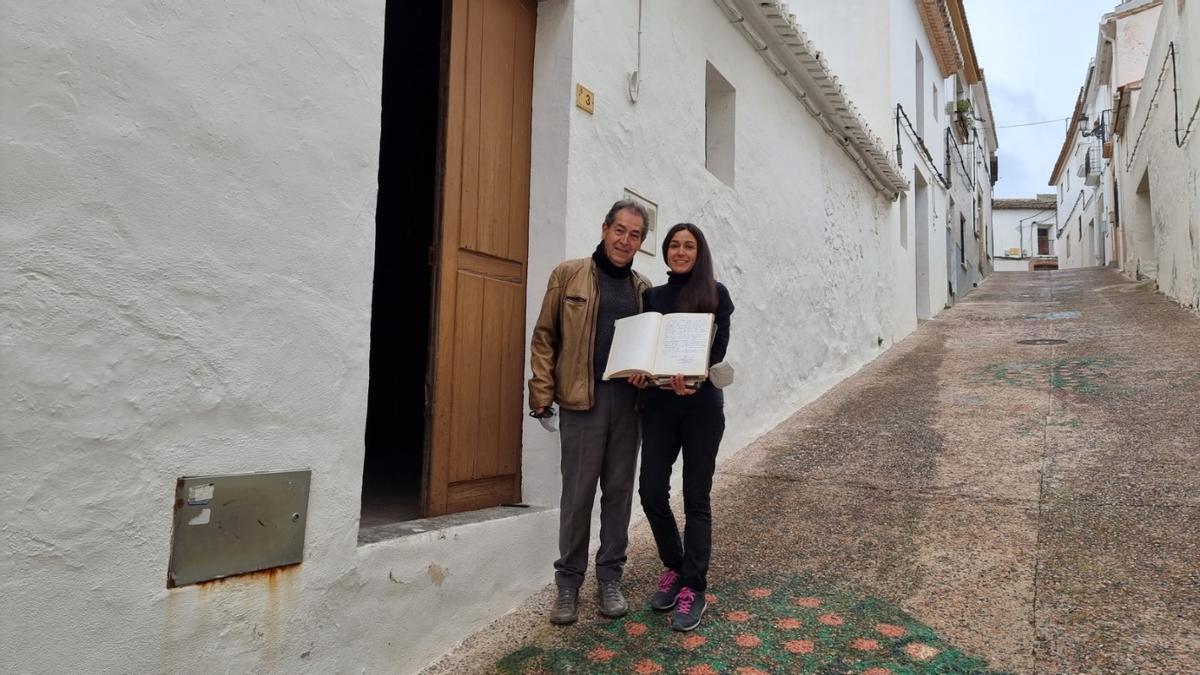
pixel 1034 425
pixel 1084 375
pixel 765 625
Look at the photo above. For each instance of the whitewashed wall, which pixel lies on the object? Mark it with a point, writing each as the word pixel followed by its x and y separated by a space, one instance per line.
pixel 967 181
pixel 860 40
pixel 1073 196
pixel 1075 250
pixel 1017 228
pixel 907 34
pixel 185 275
pixel 1173 172
pixel 1135 36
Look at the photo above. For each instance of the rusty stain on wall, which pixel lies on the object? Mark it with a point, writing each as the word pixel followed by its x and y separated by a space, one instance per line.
pixel 269 576
pixel 437 575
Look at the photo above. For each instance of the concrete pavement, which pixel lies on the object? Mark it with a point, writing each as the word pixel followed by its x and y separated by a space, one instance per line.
pixel 965 503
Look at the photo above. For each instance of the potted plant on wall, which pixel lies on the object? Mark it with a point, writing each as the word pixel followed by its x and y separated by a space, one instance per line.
pixel 965 113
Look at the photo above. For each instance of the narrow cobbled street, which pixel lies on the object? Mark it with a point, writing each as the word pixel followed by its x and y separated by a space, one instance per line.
pixel 1012 488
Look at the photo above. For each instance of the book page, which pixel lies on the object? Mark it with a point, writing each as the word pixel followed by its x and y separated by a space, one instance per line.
pixel 684 342
pixel 633 345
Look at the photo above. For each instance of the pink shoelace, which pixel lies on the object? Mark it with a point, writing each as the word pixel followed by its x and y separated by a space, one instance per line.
pixel 666 580
pixel 686 597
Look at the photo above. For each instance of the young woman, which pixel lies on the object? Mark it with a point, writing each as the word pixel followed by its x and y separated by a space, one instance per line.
pixel 679 418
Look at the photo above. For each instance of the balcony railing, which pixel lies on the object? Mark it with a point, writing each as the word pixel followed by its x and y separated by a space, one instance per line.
pixel 1093 165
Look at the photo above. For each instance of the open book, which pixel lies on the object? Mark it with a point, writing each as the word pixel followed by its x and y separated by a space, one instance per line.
pixel 661 345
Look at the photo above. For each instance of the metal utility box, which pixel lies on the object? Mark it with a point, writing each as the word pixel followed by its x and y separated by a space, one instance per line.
pixel 233 524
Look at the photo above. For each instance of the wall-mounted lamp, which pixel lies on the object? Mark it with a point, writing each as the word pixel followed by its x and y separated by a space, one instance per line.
pixel 1097 128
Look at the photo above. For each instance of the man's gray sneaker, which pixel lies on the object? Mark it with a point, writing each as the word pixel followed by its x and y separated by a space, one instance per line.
pixel 566 606
pixel 689 608
pixel 668 587
pixel 612 602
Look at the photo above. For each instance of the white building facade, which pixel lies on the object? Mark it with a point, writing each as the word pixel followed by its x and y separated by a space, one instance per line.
pixel 220 259
pixel 971 170
pixel 926 53
pixel 1085 175
pixel 931 94
pixel 1023 234
pixel 956 170
pixel 1157 157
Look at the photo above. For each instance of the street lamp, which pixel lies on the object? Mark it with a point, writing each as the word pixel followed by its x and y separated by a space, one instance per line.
pixel 1097 129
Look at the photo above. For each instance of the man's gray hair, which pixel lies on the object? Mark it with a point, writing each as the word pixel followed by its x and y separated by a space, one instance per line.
pixel 632 205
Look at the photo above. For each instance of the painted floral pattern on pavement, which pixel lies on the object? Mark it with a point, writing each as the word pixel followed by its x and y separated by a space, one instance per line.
pixel 765 625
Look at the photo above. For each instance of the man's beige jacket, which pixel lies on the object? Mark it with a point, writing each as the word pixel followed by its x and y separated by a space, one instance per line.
pixel 564 338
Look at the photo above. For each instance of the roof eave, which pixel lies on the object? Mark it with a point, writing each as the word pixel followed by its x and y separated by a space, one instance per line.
pixel 1069 141
pixel 958 14
pixel 774 33
pixel 939 28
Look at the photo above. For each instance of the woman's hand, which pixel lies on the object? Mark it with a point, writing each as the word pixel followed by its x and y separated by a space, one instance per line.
pixel 679 386
pixel 640 381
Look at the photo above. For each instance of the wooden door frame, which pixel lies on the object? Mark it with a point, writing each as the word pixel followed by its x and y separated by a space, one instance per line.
pixel 434 257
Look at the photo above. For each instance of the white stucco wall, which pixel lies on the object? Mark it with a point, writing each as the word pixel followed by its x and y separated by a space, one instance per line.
pixel 1134 38
pixel 553 112
pixel 1080 211
pixel 1074 198
pixel 907 33
pixel 185 271
pixel 1096 245
pixel 968 183
pixel 1173 173
pixel 1005 265
pixel 1017 228
pixel 1078 220
pixel 856 37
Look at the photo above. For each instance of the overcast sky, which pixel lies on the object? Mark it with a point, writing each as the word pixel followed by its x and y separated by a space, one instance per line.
pixel 1035 55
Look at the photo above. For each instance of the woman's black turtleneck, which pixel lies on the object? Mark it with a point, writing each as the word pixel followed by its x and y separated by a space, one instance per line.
pixel 665 300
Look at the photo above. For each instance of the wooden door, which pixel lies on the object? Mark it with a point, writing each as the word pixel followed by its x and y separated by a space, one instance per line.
pixel 479 360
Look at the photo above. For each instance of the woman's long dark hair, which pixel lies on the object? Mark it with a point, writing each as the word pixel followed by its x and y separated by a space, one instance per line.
pixel 699 294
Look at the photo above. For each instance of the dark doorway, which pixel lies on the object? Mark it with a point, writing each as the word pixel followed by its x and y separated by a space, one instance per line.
pixel 405 221
pixel 1043 242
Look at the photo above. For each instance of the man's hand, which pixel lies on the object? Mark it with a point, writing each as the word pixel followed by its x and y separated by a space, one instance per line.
pixel 640 381
pixel 679 386
pixel 545 416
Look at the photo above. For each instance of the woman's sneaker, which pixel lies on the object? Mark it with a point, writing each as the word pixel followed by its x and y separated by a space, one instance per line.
pixel 668 587
pixel 689 608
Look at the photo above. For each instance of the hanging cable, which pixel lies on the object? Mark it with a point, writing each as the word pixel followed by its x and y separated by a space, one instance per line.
pixel 1175 81
pixel 917 141
pixel 1031 124
pixel 1179 141
pixel 961 161
pixel 635 78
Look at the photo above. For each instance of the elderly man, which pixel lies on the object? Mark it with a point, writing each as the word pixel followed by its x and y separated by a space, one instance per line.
pixel 599 428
